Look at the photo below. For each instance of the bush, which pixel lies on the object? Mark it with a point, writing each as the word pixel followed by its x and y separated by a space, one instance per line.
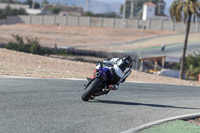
pixel 32 46
pixel 107 15
pixel 192 66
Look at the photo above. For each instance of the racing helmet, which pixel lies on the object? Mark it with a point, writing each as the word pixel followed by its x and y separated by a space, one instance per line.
pixel 128 60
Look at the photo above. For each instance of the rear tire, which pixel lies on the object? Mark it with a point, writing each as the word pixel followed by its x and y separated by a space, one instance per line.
pixel 91 89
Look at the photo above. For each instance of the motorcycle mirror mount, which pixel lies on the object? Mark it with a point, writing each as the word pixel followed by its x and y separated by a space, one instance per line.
pixel 105 59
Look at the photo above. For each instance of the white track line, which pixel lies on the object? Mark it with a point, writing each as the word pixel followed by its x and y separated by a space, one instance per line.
pixel 73 79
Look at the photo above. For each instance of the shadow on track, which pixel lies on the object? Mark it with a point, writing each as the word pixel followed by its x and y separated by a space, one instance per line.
pixel 140 104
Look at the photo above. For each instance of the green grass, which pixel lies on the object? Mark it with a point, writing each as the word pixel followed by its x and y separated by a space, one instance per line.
pixel 177 126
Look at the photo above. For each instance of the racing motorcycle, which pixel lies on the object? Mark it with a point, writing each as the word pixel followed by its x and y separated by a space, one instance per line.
pixel 100 83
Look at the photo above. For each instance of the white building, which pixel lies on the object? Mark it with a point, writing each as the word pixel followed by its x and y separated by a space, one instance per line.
pixel 149 12
pixel 25 7
pixel 31 11
pixel 14 6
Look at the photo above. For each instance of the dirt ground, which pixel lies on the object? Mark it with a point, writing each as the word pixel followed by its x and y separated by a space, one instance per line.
pixel 14 63
pixel 92 38
pixel 73 36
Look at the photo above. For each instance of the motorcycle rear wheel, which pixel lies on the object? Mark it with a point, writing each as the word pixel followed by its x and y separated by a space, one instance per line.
pixel 91 89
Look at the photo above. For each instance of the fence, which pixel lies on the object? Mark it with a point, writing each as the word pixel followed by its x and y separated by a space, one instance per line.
pixel 100 22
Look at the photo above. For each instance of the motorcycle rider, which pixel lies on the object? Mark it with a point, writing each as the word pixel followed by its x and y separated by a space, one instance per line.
pixel 120 69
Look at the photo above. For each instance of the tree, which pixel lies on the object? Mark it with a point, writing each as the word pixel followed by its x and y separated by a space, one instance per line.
pixel 29 2
pixel 36 5
pixel 192 66
pixel 11 12
pixel 160 6
pixel 44 2
pixel 55 10
pixel 89 13
pixel 184 11
pixel 8 1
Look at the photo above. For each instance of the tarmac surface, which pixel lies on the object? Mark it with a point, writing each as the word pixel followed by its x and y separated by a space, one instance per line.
pixel 51 105
pixel 174 50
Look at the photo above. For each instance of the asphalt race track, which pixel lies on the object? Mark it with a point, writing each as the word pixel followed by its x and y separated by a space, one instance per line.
pixel 54 106
pixel 174 50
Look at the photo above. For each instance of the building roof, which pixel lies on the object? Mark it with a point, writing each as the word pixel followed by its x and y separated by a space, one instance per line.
pixel 150 4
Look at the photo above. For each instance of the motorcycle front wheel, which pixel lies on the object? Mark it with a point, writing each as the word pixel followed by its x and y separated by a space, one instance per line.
pixel 91 89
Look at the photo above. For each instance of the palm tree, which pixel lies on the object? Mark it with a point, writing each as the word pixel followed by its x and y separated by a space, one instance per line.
pixel 185 10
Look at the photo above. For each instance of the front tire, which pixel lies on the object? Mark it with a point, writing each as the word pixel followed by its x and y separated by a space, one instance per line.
pixel 91 89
